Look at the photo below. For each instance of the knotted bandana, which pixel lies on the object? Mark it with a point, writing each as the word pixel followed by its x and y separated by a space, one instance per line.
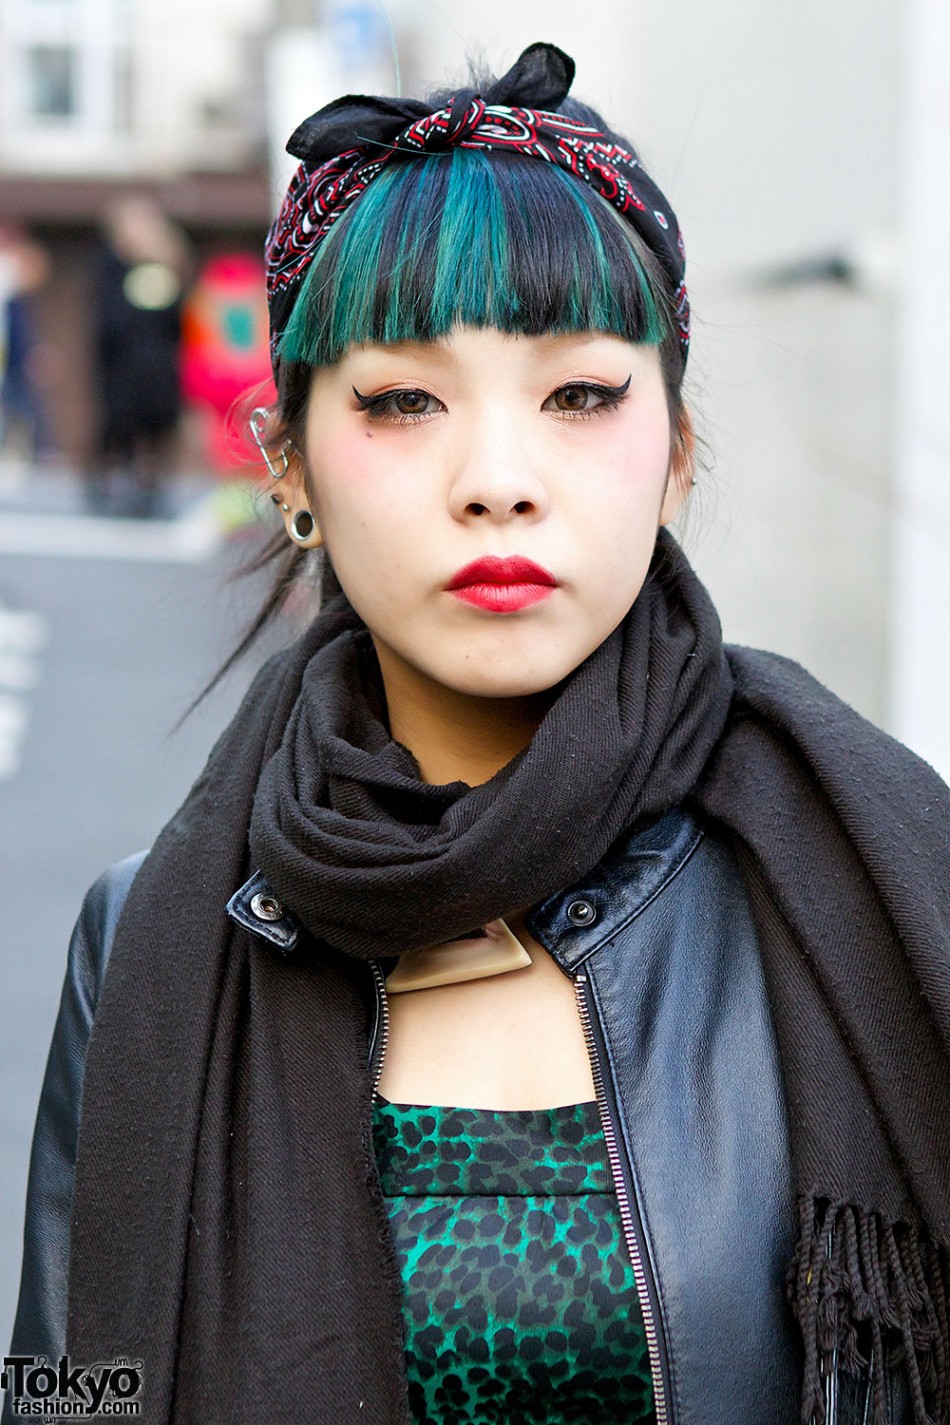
pixel 345 145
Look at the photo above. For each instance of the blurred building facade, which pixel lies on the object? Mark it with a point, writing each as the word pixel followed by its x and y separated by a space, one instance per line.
pixel 130 88
pixel 100 99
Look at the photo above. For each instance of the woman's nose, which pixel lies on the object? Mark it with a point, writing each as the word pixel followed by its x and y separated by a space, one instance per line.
pixel 496 476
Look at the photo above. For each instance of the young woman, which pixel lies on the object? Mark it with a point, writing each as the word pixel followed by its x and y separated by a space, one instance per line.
pixel 536 1012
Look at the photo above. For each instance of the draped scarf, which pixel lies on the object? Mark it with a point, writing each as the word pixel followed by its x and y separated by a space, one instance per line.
pixel 229 1229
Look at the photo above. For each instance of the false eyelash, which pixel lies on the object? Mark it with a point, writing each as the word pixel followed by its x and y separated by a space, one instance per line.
pixel 610 395
pixel 377 405
pixel 614 393
pixel 610 398
pixel 369 402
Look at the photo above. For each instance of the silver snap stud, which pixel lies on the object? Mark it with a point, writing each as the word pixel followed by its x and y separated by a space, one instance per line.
pixel 266 907
pixel 581 913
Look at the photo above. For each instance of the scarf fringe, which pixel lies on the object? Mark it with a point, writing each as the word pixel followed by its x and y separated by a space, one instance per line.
pixel 869 1293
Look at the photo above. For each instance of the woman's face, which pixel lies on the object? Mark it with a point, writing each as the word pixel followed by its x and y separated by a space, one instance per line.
pixel 546 456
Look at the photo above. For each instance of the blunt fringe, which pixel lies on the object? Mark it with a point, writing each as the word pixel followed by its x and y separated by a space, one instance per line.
pixel 467 238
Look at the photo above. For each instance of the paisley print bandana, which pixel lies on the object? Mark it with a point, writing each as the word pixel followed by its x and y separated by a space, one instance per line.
pixel 345 145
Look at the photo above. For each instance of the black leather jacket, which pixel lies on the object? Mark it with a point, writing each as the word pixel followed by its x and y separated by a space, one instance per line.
pixel 661 948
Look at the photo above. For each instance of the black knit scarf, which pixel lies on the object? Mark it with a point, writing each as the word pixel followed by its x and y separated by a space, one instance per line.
pixel 229 1229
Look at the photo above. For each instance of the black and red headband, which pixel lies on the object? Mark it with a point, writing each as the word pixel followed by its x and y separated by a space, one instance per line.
pixel 346 144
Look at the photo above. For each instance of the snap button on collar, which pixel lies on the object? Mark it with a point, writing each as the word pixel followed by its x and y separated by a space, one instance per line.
pixel 257 908
pixel 581 913
pixel 266 907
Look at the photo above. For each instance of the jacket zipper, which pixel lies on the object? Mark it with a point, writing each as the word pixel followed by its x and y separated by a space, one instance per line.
pixel 867 1399
pixel 377 1049
pixel 831 1391
pixel 831 1380
pixel 628 1210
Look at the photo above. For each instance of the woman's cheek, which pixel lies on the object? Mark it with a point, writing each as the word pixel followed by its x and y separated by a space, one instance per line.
pixel 640 456
pixel 341 491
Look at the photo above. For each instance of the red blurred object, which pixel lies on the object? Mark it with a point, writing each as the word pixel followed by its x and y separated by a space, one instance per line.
pixel 225 355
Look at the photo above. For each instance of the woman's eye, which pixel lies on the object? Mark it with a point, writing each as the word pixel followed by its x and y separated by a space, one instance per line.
pixel 411 403
pixel 399 405
pixel 584 398
pixel 575 398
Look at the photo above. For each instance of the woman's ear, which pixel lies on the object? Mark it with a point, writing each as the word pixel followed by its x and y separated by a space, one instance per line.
pixel 289 493
pixel 680 479
pixel 285 467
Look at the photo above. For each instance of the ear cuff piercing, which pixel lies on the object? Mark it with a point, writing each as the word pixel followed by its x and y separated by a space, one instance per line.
pixel 257 424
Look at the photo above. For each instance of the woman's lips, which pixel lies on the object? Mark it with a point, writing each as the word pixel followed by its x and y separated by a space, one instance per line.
pixel 502 586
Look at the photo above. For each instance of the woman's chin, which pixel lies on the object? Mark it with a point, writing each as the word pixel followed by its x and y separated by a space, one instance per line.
pixel 511 661
pixel 518 681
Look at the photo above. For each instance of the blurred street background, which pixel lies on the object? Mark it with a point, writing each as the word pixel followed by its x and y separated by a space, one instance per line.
pixel 805 149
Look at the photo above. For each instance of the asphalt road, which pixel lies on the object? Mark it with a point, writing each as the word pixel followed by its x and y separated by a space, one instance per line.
pixel 108 629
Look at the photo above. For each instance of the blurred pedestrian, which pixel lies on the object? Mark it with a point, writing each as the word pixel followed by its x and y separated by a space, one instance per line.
pixel 225 352
pixel 24 423
pixel 137 326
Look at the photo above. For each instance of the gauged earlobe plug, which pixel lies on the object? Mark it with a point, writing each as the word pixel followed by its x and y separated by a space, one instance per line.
pixel 304 531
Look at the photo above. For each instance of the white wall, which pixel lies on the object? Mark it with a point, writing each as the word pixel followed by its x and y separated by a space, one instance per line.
pixel 351 51
pixel 438 39
pixel 920 668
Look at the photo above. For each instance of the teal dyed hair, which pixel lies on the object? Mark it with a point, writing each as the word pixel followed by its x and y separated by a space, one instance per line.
pixel 468 238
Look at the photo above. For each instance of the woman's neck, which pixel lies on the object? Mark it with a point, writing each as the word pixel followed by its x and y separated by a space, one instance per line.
pixel 455 737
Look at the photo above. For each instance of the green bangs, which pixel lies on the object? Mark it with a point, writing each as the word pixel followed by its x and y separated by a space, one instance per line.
pixel 465 239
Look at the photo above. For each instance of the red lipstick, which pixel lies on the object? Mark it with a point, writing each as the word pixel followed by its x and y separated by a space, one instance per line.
pixel 502 586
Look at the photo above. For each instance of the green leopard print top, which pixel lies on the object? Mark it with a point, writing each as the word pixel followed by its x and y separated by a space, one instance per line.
pixel 520 1304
